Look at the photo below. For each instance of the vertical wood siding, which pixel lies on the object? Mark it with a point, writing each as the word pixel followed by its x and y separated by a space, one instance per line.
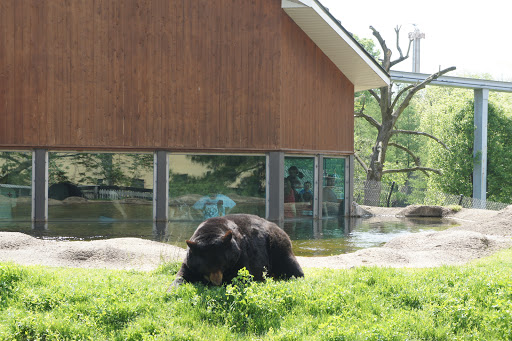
pixel 317 100
pixel 174 74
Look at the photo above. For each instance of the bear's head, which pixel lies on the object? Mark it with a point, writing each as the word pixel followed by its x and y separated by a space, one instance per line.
pixel 212 250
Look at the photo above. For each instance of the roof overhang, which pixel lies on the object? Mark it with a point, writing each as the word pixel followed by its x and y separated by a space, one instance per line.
pixel 338 45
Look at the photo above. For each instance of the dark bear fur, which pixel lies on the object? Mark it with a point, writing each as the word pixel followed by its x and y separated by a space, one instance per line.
pixel 223 245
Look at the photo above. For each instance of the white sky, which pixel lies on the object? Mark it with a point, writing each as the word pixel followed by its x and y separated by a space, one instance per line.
pixel 474 36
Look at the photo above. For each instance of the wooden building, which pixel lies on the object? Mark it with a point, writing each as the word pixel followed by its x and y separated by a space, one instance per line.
pixel 192 76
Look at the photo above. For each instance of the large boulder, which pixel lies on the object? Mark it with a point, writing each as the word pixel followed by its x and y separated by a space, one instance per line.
pixel 425 211
pixel 359 211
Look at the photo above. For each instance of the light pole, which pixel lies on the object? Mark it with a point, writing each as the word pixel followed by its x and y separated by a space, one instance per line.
pixel 416 36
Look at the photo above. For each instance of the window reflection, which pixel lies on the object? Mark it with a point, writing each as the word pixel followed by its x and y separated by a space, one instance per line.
pixel 333 189
pixel 204 186
pixel 15 186
pixel 299 186
pixel 100 186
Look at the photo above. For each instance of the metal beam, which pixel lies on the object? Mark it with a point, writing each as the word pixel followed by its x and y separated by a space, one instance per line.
pixel 449 81
pixel 40 185
pixel 349 184
pixel 317 185
pixel 319 182
pixel 275 186
pixel 480 148
pixel 160 186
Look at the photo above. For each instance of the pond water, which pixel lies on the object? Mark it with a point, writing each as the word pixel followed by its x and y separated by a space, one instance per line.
pixel 309 237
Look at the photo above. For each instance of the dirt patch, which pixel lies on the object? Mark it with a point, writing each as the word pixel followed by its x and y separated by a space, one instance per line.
pixel 16 241
pixel 488 222
pixel 480 234
pixel 118 253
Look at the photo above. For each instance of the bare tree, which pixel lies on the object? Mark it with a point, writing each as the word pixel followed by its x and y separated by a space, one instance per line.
pixel 391 107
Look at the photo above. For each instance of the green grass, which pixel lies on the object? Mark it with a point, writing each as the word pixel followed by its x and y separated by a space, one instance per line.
pixel 472 302
pixel 455 208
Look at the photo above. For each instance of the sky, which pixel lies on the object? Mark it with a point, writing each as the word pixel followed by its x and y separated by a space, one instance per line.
pixel 471 35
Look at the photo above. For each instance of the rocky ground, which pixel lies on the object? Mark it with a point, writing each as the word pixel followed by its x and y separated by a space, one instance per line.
pixel 480 234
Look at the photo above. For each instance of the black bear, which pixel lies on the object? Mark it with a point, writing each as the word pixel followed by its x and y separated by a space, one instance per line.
pixel 221 246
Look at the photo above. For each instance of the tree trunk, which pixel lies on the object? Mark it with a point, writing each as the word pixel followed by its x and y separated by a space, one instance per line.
pixel 377 160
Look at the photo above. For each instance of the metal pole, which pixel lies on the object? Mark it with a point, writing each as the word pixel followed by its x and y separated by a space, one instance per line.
pixel 275 186
pixel 160 186
pixel 416 36
pixel 390 192
pixel 319 200
pixel 317 213
pixel 349 185
pixel 40 185
pixel 480 148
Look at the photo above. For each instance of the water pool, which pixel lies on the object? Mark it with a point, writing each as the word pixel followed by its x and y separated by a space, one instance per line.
pixel 310 237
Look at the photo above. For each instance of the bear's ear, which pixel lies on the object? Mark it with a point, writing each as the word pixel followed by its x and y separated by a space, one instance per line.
pixel 191 244
pixel 226 239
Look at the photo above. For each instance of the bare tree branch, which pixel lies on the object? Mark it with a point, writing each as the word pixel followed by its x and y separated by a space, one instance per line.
pixel 361 162
pixel 374 94
pixel 368 118
pixel 417 88
pixel 391 107
pixel 363 101
pixel 407 150
pixel 412 169
pixel 386 51
pixel 402 57
pixel 415 158
pixel 400 93
pixel 381 40
pixel 412 132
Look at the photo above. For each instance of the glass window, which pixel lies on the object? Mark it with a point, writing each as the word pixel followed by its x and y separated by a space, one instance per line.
pixel 299 186
pixel 15 186
pixel 106 187
pixel 333 187
pixel 204 186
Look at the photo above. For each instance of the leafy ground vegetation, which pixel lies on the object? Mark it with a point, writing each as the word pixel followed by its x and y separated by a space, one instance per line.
pixel 472 302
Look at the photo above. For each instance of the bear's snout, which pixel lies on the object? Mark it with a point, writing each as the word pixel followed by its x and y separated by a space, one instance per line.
pixel 216 277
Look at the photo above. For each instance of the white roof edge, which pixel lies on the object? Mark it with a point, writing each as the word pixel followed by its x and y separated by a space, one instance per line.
pixel 292 4
pixel 381 77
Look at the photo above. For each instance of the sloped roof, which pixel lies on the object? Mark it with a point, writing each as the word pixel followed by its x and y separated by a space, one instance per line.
pixel 337 43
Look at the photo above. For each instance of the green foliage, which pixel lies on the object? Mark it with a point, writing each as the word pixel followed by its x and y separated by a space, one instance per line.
pixel 369 45
pixel 10 275
pixel 455 208
pixel 243 306
pixel 458 133
pixel 168 268
pixel 468 302
pixel 15 168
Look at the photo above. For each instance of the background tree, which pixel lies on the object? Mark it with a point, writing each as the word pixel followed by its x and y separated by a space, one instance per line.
pixel 113 169
pixel 15 168
pixel 393 101
pixel 449 114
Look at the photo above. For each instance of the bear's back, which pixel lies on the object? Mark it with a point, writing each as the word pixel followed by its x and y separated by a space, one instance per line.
pixel 254 227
